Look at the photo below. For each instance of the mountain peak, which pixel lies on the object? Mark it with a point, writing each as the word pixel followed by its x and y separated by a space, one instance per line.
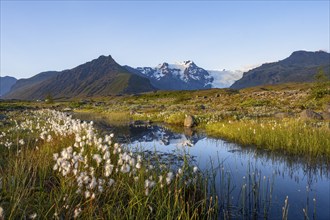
pixel 178 65
pixel 188 62
pixel 162 65
pixel 101 64
pixel 307 58
pixel 104 58
pixel 307 53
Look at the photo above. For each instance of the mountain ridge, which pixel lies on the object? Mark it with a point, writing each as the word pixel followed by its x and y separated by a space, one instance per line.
pixel 99 77
pixel 300 66
pixel 103 76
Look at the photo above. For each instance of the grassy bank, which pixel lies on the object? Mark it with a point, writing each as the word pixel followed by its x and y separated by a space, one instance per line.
pixel 292 136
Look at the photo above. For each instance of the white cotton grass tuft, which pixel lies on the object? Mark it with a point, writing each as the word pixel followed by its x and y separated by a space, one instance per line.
pixel 21 142
pixel 77 212
pixel 2 213
pixel 111 182
pixel 148 184
pixel 33 216
pixel 169 178
pixel 138 165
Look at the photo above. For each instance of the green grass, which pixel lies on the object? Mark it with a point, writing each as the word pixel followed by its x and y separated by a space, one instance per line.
pixel 254 103
pixel 292 136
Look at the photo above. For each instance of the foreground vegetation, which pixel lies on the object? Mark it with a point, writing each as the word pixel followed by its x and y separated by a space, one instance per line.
pixel 52 166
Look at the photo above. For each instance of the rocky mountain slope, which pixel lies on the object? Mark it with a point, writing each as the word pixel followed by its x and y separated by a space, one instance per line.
pixel 6 83
pixel 99 77
pixel 301 66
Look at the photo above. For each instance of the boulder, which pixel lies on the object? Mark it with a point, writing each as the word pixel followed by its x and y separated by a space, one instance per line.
pixel 189 121
pixel 309 114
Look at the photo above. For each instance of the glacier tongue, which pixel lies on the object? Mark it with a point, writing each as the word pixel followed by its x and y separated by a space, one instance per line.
pixel 224 78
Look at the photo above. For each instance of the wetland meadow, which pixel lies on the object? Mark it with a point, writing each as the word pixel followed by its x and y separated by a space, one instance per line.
pixel 247 155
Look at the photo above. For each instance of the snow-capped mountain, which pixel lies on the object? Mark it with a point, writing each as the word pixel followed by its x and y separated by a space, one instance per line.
pixel 184 75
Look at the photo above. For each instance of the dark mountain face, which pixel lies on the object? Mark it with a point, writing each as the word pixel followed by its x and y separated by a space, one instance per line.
pixel 301 66
pixel 180 76
pixel 99 77
pixel 6 83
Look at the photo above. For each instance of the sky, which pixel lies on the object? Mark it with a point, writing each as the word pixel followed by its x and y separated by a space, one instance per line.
pixel 39 36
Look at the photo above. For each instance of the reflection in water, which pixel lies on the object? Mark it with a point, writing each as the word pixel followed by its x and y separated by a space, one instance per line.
pixel 256 179
pixel 159 135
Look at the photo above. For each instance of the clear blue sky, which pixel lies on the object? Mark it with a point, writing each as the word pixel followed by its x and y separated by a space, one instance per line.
pixel 55 35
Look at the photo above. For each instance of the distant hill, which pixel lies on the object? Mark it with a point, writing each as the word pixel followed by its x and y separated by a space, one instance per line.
pixel 6 83
pixel 25 87
pixel 301 66
pixel 99 77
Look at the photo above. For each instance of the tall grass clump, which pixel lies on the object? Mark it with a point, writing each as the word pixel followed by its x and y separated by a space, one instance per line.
pixel 175 118
pixel 52 166
pixel 294 136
